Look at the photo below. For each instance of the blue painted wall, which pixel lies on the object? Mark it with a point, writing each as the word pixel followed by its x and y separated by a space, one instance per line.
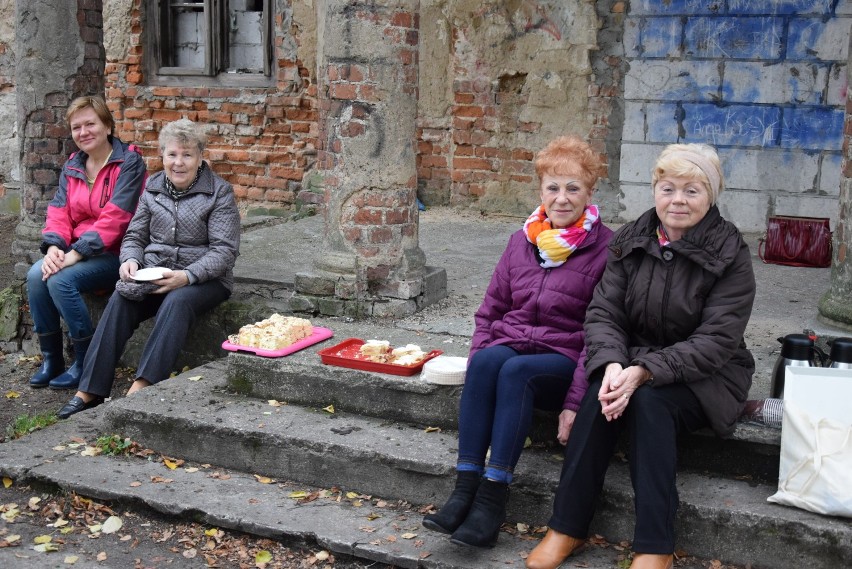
pixel 764 81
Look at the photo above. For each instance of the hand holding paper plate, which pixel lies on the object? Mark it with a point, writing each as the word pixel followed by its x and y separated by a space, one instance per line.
pixel 150 274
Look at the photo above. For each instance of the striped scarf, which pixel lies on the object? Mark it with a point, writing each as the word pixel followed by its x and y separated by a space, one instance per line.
pixel 555 245
pixel 175 193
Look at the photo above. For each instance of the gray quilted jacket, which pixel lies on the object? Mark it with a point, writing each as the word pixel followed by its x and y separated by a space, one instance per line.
pixel 198 233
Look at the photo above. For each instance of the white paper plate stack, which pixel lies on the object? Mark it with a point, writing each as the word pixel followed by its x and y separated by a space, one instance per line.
pixel 445 370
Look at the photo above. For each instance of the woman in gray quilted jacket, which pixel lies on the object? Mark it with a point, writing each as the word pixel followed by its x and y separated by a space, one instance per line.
pixel 177 261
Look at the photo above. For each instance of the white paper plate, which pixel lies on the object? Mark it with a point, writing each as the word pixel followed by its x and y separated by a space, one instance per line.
pixel 149 274
pixel 445 370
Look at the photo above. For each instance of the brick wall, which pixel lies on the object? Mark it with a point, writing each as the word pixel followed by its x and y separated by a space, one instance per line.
pixel 764 81
pixel 260 139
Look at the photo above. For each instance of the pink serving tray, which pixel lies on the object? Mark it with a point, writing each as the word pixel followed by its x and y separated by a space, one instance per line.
pixel 318 336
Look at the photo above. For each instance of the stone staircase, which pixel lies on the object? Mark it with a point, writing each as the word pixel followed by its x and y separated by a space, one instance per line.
pixel 378 442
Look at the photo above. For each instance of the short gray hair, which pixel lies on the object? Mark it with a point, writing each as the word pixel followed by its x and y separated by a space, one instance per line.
pixel 184 132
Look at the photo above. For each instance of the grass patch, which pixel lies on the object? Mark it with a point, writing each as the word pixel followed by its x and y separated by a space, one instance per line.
pixel 113 445
pixel 26 424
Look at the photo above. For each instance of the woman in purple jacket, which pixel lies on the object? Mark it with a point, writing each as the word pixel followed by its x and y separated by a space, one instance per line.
pixel 528 339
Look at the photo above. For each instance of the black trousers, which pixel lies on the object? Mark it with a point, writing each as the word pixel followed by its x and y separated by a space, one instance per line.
pixel 653 419
pixel 175 313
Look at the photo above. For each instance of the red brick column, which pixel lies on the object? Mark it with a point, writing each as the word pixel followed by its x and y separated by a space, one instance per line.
pixel 47 80
pixel 372 264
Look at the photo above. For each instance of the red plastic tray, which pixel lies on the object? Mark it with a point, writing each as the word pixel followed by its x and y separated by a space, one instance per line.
pixel 346 354
pixel 318 336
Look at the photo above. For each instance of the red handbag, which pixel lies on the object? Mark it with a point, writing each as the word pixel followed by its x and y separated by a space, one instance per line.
pixel 796 241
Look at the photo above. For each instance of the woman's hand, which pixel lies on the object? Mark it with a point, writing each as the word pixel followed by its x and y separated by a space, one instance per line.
pixel 170 281
pixel 617 387
pixel 127 270
pixel 566 421
pixel 56 259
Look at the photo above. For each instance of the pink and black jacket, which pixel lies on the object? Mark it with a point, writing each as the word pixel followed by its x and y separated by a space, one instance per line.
pixel 93 222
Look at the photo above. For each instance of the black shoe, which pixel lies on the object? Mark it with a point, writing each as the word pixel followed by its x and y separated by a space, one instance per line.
pixel 76 405
pixel 54 361
pixel 451 516
pixel 71 378
pixel 487 514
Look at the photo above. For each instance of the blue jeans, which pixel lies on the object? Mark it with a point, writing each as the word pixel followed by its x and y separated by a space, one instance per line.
pixel 502 387
pixel 59 296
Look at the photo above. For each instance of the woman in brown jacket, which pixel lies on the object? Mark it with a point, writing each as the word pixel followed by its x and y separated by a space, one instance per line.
pixel 664 335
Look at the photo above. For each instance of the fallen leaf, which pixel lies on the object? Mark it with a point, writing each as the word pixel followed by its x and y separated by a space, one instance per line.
pixel 352 495
pixel 171 465
pixel 211 532
pixel 262 556
pixel 522 528
pixel 161 480
pixel 194 378
pixel 391 538
pixel 66 530
pixel 408 535
pixel 102 556
pixel 329 409
pixel 373 516
pixel 12 395
pixel 71 559
pixel 91 451
pixel 60 522
pixel 45 547
pixel 424 555
pixel 42 539
pixel 433 429
pixel 264 479
pixel 112 525
pixel 298 494
pixel 12 538
pixel 190 469
pixel 94 528
pixel 127 537
pixel 33 503
pixel 275 403
pixel 135 484
pixel 322 555
pixel 190 553
pixel 7 482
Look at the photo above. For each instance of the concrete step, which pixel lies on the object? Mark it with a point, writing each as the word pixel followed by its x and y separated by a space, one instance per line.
pixel 198 420
pixel 302 379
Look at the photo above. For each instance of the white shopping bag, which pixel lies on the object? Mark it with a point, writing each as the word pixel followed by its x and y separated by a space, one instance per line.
pixel 816 442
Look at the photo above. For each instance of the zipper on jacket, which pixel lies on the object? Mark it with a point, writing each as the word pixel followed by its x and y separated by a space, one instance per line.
pixel 670 265
pixel 537 303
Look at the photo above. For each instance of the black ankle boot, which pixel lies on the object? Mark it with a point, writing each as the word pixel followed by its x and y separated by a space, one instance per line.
pixel 455 510
pixel 71 378
pixel 54 362
pixel 487 514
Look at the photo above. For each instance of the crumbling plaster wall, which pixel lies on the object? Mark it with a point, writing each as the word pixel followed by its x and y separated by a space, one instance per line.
pixel 498 80
pixel 10 174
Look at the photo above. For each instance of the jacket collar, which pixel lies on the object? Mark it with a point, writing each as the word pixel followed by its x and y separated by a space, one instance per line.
pixel 204 185
pixel 712 243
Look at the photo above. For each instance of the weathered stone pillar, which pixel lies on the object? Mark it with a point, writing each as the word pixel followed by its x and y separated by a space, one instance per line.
pixel 60 56
pixel 372 264
pixel 835 307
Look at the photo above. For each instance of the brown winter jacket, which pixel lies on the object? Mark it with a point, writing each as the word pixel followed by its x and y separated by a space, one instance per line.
pixel 680 312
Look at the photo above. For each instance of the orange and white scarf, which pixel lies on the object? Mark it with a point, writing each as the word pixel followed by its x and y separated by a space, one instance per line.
pixel 555 245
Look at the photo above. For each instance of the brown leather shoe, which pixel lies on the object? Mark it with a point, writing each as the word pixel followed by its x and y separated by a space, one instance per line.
pixel 553 550
pixel 652 561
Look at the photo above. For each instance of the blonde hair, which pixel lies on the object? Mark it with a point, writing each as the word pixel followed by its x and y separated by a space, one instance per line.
pixel 564 153
pixel 698 161
pixel 184 132
pixel 97 104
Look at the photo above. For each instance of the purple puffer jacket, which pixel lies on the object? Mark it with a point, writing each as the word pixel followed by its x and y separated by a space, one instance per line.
pixel 534 310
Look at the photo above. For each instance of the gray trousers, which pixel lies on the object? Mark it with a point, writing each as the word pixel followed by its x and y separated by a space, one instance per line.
pixel 174 314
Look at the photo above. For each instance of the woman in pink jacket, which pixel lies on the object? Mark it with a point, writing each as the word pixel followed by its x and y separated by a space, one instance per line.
pixel 528 339
pixel 99 188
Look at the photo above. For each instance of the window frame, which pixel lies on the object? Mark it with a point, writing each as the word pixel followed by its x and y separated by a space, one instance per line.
pixel 214 71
